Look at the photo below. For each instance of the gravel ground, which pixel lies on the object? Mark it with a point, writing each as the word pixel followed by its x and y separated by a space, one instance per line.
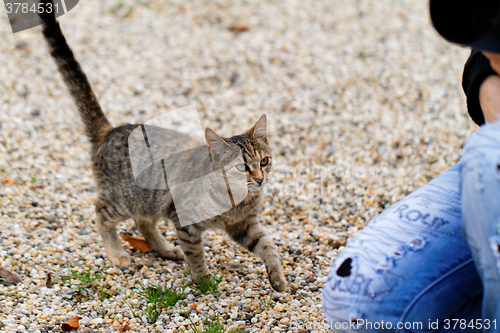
pixel 364 105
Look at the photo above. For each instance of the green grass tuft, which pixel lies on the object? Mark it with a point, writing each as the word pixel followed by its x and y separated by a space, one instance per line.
pixel 87 284
pixel 158 298
pixel 205 283
pixel 114 9
pixel 268 303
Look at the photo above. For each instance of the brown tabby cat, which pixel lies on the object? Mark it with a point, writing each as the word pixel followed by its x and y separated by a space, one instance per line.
pixel 119 197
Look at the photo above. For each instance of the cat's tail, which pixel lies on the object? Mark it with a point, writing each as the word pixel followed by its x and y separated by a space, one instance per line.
pixel 96 123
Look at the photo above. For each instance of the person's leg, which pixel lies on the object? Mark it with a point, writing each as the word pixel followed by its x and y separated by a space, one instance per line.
pixel 409 265
pixel 480 170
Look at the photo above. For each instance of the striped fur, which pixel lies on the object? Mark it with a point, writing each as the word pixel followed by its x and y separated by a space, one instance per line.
pixel 119 198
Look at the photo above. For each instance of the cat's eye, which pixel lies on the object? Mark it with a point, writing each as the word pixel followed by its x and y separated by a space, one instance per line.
pixel 241 167
pixel 265 161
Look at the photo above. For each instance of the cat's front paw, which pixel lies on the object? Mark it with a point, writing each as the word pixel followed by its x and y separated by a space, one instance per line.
pixel 278 281
pixel 122 261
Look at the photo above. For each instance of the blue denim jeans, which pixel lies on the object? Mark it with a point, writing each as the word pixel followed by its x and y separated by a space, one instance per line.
pixel 431 261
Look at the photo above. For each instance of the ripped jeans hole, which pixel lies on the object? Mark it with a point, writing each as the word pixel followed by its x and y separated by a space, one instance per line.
pixel 398 254
pixel 497 168
pixel 479 185
pixel 356 316
pixel 345 268
pixel 417 244
pixel 495 245
pixel 385 266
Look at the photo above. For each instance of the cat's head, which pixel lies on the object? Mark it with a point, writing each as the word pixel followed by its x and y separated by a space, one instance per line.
pixel 251 156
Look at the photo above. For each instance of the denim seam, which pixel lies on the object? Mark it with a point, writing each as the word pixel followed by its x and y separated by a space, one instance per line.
pixel 405 313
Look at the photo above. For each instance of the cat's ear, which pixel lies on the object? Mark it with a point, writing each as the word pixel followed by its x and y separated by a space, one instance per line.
pixel 259 130
pixel 215 142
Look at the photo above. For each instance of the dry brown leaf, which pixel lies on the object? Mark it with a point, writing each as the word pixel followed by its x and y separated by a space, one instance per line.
pixel 288 108
pixel 8 181
pixel 138 243
pixel 123 328
pixel 8 277
pixel 71 324
pixel 238 29
pixel 48 282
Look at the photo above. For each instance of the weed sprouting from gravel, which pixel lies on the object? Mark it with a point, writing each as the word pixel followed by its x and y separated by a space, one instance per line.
pixel 157 298
pixel 86 278
pixel 205 283
pixel 268 303
pixel 86 284
pixel 100 311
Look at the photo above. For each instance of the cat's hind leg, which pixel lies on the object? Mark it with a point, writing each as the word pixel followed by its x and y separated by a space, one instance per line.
pixel 114 249
pixel 149 229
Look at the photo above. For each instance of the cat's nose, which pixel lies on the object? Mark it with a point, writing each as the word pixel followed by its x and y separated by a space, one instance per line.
pixel 258 176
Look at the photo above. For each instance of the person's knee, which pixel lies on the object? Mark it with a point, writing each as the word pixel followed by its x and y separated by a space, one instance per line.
pixel 480 160
pixel 484 140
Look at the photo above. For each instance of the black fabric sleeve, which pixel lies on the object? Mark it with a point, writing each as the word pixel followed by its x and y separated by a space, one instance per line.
pixel 477 68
